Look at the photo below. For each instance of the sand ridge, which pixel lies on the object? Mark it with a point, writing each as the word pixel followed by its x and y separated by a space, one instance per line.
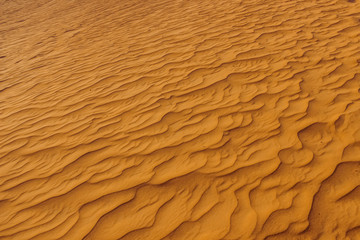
pixel 179 119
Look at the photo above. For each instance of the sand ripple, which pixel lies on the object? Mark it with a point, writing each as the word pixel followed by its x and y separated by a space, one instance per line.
pixel 179 119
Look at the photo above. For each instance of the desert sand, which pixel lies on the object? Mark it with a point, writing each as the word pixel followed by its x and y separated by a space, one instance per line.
pixel 180 119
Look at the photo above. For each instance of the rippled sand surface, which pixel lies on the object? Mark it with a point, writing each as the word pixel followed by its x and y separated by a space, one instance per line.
pixel 180 119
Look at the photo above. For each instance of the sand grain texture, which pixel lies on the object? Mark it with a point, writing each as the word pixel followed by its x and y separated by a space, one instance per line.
pixel 180 119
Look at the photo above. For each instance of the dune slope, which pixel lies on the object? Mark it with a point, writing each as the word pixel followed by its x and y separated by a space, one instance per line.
pixel 179 119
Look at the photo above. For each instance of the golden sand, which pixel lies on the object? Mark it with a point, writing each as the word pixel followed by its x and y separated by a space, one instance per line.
pixel 180 119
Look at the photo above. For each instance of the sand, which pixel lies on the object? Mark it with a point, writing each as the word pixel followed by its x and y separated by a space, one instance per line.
pixel 179 119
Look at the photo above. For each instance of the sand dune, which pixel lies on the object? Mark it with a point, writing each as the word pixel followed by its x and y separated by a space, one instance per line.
pixel 136 119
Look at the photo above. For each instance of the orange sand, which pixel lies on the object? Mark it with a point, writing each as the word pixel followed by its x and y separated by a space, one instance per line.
pixel 179 119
